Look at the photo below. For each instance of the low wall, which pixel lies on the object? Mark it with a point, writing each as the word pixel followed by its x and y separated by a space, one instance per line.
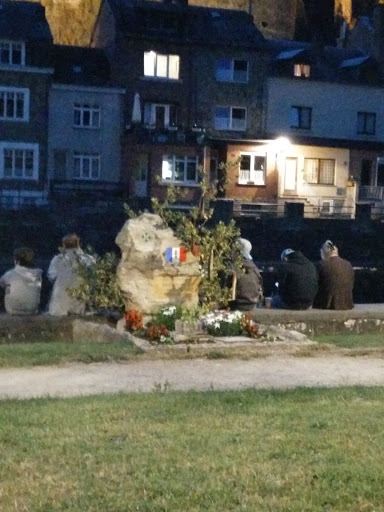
pixel 364 318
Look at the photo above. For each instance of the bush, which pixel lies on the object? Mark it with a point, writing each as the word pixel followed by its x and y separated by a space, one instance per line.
pixel 98 288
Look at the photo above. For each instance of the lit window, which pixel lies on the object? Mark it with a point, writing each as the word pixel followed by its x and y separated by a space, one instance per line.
pixel 180 169
pixel 302 70
pixel 230 118
pixel 301 117
pixel 366 123
pixel 86 116
pixel 14 104
pixel 12 53
pixel 232 70
pixel 252 169
pixel 19 161
pixel 86 166
pixel 159 115
pixel 157 65
pixel 319 171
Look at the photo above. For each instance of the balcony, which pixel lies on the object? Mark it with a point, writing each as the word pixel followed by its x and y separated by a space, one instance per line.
pixel 370 193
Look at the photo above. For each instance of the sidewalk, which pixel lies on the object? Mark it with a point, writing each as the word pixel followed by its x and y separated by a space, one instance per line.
pixel 275 372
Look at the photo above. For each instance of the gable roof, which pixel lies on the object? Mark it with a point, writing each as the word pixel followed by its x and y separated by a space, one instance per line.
pixel 183 23
pixel 80 66
pixel 23 21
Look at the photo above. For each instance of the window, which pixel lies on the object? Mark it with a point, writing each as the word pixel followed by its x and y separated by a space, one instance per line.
pixel 86 115
pixel 301 117
pixel 232 70
pixel 86 166
pixel 157 65
pixel 366 123
pixel 159 115
pixel 14 104
pixel 302 70
pixel 230 118
pixel 19 160
pixel 252 169
pixel 180 169
pixel 319 171
pixel 12 53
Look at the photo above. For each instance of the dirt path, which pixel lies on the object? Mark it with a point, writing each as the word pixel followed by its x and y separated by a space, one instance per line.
pixel 275 372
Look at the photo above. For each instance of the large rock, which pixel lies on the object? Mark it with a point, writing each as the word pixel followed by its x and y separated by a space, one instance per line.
pixel 148 281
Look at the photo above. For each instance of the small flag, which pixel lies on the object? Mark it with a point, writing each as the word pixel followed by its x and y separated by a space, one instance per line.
pixel 176 254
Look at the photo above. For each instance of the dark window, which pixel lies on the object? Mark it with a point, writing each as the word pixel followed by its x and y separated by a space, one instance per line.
pixel 301 117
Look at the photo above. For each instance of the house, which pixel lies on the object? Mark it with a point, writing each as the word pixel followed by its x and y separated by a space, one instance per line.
pixel 25 75
pixel 327 102
pixel 85 126
pixel 192 77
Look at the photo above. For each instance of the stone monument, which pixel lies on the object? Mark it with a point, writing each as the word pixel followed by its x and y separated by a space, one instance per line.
pixel 155 270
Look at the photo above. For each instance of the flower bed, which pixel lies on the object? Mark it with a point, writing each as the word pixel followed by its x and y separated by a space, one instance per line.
pixel 164 327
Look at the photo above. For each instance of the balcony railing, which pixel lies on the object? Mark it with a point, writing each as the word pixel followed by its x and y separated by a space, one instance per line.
pixel 370 193
pixel 259 210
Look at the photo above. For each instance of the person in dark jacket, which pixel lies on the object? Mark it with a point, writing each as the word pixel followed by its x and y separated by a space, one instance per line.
pixel 336 279
pixel 298 282
pixel 248 282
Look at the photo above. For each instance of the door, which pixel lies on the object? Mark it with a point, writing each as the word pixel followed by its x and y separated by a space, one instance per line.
pixel 290 176
pixel 380 172
pixel 141 184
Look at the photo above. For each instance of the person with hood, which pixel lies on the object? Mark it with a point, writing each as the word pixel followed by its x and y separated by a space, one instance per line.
pixel 298 282
pixel 336 279
pixel 248 283
pixel 22 284
pixel 62 272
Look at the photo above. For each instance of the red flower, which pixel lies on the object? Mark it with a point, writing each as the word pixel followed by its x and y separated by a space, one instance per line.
pixel 133 320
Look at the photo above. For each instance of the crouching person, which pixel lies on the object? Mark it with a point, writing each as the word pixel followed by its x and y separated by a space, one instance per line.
pixel 22 284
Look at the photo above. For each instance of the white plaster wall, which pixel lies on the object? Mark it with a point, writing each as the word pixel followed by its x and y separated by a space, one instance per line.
pixel 104 140
pixel 334 108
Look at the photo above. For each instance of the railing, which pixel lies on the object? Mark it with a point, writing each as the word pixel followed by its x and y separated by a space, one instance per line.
pixel 370 193
pixel 258 210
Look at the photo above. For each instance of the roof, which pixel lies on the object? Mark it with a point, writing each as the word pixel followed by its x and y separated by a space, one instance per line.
pixel 289 54
pixel 354 62
pixel 183 23
pixel 326 61
pixel 80 66
pixel 23 21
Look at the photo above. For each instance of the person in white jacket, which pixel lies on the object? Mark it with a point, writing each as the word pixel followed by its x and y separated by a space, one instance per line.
pixel 22 284
pixel 62 272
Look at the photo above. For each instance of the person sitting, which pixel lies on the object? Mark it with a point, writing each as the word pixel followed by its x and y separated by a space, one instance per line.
pixel 298 282
pixel 336 279
pixel 22 284
pixel 62 272
pixel 248 282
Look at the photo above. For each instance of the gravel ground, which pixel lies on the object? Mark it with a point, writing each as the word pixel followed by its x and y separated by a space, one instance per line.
pixel 274 372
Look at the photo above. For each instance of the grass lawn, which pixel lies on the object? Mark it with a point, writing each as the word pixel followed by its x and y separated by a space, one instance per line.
pixel 374 340
pixel 31 354
pixel 293 451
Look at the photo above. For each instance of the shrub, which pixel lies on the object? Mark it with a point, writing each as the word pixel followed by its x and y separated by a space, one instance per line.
pixel 98 287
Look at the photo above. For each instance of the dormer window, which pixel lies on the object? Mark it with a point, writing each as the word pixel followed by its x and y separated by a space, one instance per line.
pixel 12 53
pixel 302 70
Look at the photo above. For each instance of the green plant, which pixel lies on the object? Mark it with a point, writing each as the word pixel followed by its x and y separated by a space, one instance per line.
pixel 98 287
pixel 215 242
